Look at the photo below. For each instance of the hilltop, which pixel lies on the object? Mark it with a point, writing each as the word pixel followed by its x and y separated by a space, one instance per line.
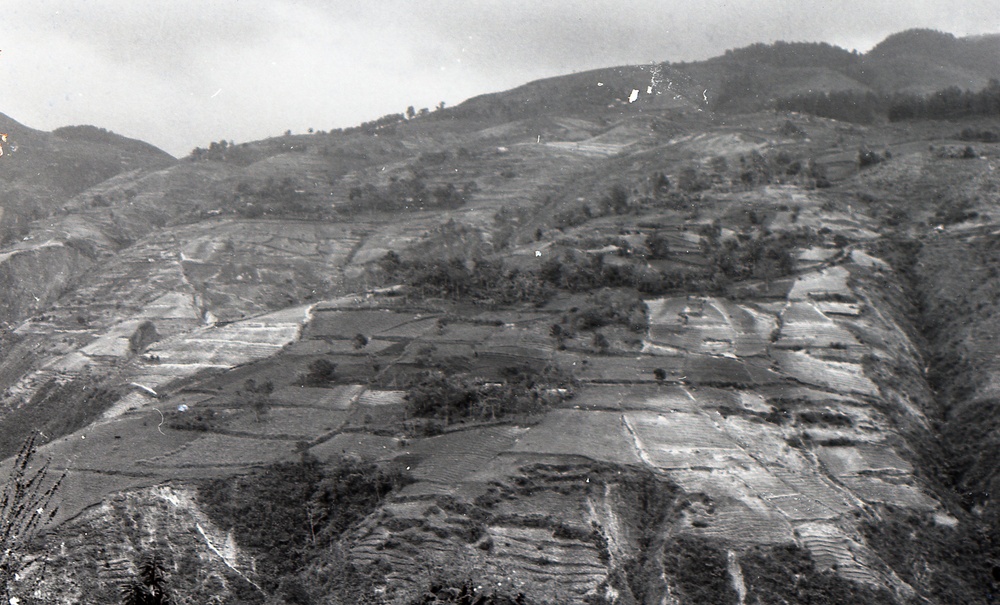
pixel 633 335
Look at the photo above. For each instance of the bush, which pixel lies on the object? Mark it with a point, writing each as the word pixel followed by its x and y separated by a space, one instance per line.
pixel 289 512
pixel 321 373
pixel 868 158
pixel 612 307
pixel 457 397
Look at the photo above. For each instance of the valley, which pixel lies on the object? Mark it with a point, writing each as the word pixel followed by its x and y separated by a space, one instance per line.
pixel 603 351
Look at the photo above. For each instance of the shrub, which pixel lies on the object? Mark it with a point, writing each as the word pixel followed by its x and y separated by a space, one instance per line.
pixel 321 372
pixel 453 398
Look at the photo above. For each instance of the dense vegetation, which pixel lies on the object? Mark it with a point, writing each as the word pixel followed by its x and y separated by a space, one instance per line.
pixel 450 398
pixel 290 513
pixel 787 574
pixel 867 107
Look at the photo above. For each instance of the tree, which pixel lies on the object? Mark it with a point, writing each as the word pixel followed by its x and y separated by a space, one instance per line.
pixel 602 343
pixel 411 112
pixel 259 397
pixel 149 586
pixel 24 507
pixel 360 341
pixel 658 244
pixel 321 372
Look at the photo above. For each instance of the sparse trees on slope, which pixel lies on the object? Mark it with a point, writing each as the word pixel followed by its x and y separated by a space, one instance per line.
pixel 149 587
pixel 25 506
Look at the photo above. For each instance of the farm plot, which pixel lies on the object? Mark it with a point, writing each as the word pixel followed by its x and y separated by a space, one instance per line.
pixel 836 375
pixel 875 489
pixel 737 524
pixel 450 458
pixel 832 549
pixel 677 429
pixel 811 485
pixel 829 282
pixel 290 423
pixel 172 305
pixel 224 451
pixel 115 447
pixel 829 307
pixel 706 369
pixel 660 398
pixel 461 332
pixel 616 369
pixel 852 460
pixel 335 398
pixel 372 397
pixel 803 325
pixel 114 342
pixel 596 435
pixel 413 329
pixel 365 445
pixel 797 508
pixel 345 324
pixel 82 489
pixel 534 550
pixel 766 441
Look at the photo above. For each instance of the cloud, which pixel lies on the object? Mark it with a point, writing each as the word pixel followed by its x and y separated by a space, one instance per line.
pixel 185 72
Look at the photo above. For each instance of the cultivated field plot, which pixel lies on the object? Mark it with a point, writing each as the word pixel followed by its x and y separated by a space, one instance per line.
pixel 413 329
pixel 875 489
pixel 811 485
pixel 835 308
pixel 560 568
pixel 830 282
pixel 377 398
pixel 461 333
pixel 596 435
pixel 836 375
pixel 82 489
pixel 630 397
pixel 452 457
pixel 677 429
pixel 333 398
pixel 290 423
pixel 345 324
pixel 804 325
pixel 115 447
pixel 224 451
pixel 172 305
pixel 114 342
pixel 798 508
pixel 619 369
pixel 365 445
pixel 852 460
pixel 737 524
pixel 832 549
pixel 711 370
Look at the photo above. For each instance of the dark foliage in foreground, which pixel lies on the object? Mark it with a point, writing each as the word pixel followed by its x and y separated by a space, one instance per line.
pixel 288 512
pixel 787 574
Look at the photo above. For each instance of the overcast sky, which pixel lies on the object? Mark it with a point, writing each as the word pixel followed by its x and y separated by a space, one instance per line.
pixel 181 73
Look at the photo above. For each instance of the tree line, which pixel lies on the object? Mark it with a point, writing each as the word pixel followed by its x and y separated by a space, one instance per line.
pixel 867 107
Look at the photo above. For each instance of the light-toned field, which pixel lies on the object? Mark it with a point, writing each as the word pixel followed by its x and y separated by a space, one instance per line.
pixel 596 435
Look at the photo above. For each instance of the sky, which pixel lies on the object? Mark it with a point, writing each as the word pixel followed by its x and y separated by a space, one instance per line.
pixel 182 73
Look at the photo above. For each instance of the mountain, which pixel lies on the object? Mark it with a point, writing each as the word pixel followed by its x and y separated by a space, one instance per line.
pixel 43 169
pixel 611 337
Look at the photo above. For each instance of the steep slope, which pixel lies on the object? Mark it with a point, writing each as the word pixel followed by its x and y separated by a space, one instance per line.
pixel 595 351
pixel 41 170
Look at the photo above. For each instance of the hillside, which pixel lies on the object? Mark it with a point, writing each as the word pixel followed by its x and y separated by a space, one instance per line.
pixel 567 343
